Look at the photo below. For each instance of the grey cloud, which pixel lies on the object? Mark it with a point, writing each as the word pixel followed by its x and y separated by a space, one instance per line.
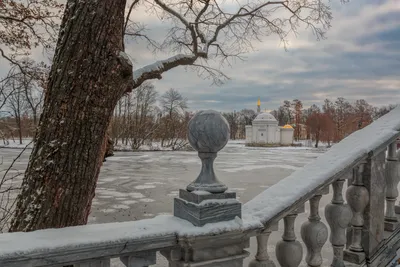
pixel 360 59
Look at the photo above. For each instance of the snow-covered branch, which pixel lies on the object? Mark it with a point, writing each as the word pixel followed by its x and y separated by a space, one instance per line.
pixel 207 29
pixel 155 70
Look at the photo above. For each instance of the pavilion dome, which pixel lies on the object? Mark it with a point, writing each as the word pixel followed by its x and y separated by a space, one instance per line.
pixel 287 126
pixel 265 117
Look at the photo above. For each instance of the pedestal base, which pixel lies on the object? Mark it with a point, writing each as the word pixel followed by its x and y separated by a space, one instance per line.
pixel 354 257
pixel 231 261
pixel 391 226
pixel 201 208
pixel 397 209
pixel 224 250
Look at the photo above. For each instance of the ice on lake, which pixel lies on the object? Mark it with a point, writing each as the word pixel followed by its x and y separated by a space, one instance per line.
pixel 139 185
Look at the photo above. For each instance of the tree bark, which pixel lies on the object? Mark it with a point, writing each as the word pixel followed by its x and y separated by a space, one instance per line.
pixel 89 75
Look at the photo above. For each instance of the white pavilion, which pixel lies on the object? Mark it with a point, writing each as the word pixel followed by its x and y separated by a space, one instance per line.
pixel 265 129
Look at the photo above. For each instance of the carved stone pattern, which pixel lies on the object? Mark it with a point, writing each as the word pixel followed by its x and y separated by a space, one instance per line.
pixel 338 216
pixel 262 258
pixel 314 234
pixel 289 251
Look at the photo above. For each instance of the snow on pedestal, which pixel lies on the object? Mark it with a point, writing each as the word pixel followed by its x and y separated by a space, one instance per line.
pixel 208 134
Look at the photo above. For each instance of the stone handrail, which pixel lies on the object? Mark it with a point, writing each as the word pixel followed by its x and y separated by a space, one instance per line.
pixel 221 241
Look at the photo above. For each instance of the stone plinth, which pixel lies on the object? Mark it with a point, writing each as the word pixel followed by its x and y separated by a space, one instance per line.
pixel 201 207
pixel 206 200
pixel 224 250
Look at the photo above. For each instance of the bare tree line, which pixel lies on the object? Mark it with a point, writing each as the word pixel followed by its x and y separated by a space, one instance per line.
pixel 21 99
pixel 138 119
pixel 330 122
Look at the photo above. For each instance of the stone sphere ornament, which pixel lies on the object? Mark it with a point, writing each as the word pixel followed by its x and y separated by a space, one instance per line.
pixel 208 133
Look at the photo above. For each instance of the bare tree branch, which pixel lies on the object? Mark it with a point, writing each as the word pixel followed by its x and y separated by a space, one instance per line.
pixel 205 29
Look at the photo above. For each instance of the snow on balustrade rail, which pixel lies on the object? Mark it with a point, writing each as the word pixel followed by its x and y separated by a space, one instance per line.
pixel 50 246
pixel 59 246
pixel 279 199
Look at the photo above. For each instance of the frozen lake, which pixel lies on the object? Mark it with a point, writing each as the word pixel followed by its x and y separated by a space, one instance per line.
pixel 137 185
pixel 143 184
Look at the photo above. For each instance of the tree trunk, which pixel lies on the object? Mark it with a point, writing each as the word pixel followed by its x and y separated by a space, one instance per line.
pixel 89 75
pixel 317 139
pixel 19 125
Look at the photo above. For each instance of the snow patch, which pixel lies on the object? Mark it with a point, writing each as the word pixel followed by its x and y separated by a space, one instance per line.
pixel 108 210
pixel 256 167
pixel 129 202
pixel 120 206
pixel 147 200
pixel 157 66
pixel 145 186
pixel 154 183
pixel 136 195
pixel 201 193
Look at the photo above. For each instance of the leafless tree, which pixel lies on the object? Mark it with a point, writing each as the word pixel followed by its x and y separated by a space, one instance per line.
pixel 173 102
pixel 33 95
pixel 27 24
pixel 143 122
pixel 17 104
pixel 208 29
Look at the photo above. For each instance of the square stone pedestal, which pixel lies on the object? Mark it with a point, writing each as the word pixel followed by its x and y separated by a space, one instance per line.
pixel 354 257
pixel 223 250
pixel 397 209
pixel 391 225
pixel 200 207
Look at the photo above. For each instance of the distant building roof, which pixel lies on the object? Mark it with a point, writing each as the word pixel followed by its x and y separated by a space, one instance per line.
pixel 287 126
pixel 265 117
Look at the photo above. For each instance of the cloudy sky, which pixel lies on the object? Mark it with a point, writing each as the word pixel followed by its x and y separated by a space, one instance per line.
pixel 360 59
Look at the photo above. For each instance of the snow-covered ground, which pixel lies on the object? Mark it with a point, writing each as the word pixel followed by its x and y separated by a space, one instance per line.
pixel 155 146
pixel 27 143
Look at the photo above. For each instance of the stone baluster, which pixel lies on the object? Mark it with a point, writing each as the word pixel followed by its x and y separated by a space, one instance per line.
pixel 289 251
pixel 95 263
pixel 143 259
pixel 262 258
pixel 357 197
pixel 314 232
pixel 392 180
pixel 338 216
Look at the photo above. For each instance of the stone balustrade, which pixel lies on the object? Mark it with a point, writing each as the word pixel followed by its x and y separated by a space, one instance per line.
pixel 210 228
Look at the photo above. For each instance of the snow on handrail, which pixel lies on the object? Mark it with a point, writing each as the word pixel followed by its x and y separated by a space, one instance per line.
pixel 298 187
pixel 49 246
